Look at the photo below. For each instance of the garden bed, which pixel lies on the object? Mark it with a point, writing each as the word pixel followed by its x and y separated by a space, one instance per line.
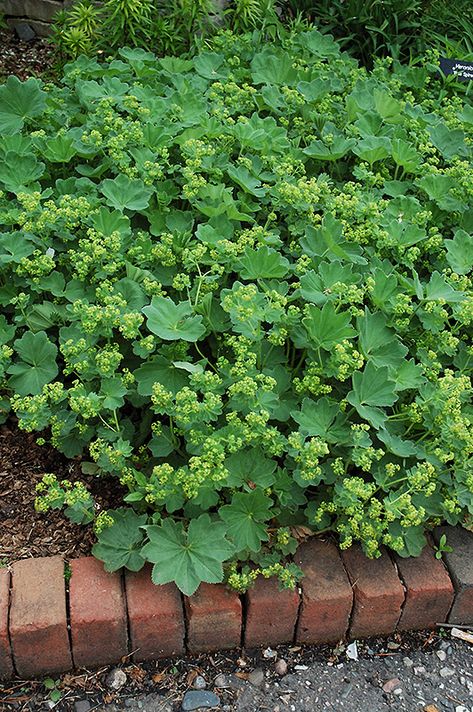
pixel 25 533
pixel 24 59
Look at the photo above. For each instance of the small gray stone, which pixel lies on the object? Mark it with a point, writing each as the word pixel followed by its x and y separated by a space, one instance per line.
pixel 199 683
pixel 82 706
pixel 441 654
pixel 116 679
pixel 24 32
pixel 221 681
pixel 408 663
pixel 391 685
pixel 280 667
pixel 256 677
pixel 419 670
pixel 199 700
pixel 447 672
pixel 229 682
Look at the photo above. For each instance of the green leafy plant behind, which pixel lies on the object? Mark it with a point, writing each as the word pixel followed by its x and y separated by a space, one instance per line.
pixel 239 285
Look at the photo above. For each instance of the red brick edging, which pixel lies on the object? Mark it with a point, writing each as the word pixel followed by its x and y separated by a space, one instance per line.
pixel 48 626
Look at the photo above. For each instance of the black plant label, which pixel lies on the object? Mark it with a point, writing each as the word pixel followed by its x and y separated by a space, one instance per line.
pixel 461 69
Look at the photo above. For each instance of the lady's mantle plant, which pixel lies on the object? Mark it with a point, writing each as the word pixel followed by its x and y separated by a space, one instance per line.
pixel 242 284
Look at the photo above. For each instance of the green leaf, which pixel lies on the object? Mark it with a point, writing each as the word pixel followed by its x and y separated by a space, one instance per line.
pixel 207 64
pixel 14 246
pixel 439 288
pixel 460 252
pixel 126 193
pixel 245 518
pixel 245 180
pixel 396 445
pixel 372 387
pixel 438 189
pixel 17 172
pixel 171 321
pixel 187 558
pixel 112 391
pixel 37 365
pixel 378 343
pixel 119 545
pixel 413 538
pixel 450 142
pixel 159 370
pixel 107 221
pixel 247 468
pixel 163 444
pixel 387 106
pixel 263 263
pixel 19 101
pixel 321 418
pixel 58 149
pixel 409 375
pixel 405 155
pixel 267 68
pixel 333 151
pixel 373 148
pixel 317 286
pixel 325 327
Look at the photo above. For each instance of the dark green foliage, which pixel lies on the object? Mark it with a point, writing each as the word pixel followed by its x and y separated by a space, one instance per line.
pixel 241 284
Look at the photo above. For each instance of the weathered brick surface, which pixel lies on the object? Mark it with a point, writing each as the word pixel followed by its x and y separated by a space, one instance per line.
pixel 460 565
pixel 213 618
pixel 6 665
pixel 271 614
pixel 327 596
pixel 156 617
pixel 429 591
pixel 378 593
pixel 38 623
pixel 98 614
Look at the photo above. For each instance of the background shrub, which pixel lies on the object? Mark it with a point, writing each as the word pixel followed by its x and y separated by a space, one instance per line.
pixel 403 29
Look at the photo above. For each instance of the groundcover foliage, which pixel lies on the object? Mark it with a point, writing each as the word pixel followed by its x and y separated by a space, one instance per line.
pixel 242 284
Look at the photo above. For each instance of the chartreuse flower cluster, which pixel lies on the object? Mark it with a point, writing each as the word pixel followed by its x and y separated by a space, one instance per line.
pixel 241 285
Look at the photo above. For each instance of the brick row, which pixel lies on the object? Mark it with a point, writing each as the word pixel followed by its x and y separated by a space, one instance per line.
pixel 48 626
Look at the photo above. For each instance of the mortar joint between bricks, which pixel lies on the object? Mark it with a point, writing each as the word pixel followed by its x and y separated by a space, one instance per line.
pixel 127 616
pixel 403 584
pixel 67 577
pixel 352 610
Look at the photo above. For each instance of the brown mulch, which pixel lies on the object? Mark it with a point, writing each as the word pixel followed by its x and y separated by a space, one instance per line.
pixel 25 533
pixel 24 59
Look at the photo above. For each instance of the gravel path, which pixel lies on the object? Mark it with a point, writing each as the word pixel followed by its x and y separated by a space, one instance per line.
pixel 436 681
pixel 425 672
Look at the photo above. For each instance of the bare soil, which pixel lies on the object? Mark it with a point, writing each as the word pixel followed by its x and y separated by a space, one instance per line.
pixel 24 59
pixel 25 533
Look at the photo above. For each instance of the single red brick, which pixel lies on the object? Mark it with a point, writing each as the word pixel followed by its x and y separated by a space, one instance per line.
pixel 156 617
pixel 429 591
pixel 460 565
pixel 38 620
pixel 98 614
pixel 271 614
pixel 378 593
pixel 213 618
pixel 6 665
pixel 327 596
